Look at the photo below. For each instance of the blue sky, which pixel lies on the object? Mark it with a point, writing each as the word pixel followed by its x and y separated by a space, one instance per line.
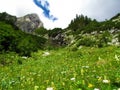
pixel 59 13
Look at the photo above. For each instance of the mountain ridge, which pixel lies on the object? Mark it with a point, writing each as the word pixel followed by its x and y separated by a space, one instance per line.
pixel 82 31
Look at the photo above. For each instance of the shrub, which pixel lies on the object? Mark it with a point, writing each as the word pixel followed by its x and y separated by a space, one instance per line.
pixel 18 41
pixel 118 37
pixel 54 32
pixel 104 39
pixel 41 31
pixel 73 48
pixel 86 41
pixel 30 44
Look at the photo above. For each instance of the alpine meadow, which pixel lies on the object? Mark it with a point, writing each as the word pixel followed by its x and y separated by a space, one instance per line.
pixel 83 56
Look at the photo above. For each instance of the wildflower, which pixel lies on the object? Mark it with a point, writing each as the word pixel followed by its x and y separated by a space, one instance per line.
pixel 46 54
pixel 63 72
pixel 63 83
pixel 99 58
pixel 90 85
pixel 79 47
pixel 24 57
pixel 99 78
pixel 106 81
pixel 36 87
pixel 72 41
pixel 72 79
pixel 85 66
pixel 82 72
pixel 49 88
pixel 116 57
pixel 96 89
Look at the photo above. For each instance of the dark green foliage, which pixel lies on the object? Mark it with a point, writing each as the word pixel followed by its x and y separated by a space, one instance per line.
pixel 41 31
pixel 116 16
pixel 107 25
pixel 9 19
pixel 118 37
pixel 104 39
pixel 85 41
pixel 7 37
pixel 117 25
pixel 18 41
pixel 74 48
pixel 92 26
pixel 83 24
pixel 8 58
pixel 54 32
pixel 30 44
pixel 78 24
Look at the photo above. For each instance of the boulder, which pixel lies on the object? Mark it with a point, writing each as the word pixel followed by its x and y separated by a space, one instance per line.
pixel 29 23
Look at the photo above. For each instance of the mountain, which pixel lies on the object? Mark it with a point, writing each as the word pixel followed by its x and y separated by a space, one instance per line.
pixel 29 23
pixel 82 31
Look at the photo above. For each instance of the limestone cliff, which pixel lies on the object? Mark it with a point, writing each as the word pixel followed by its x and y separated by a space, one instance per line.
pixel 29 23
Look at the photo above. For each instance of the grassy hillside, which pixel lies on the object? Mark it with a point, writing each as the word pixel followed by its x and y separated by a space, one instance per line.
pixel 84 56
pixel 86 69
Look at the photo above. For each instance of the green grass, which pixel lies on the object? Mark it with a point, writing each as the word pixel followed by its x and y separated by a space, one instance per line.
pixel 85 69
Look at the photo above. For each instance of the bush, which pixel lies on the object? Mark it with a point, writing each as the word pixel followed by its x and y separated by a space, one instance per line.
pixel 54 32
pixel 73 48
pixel 41 31
pixel 118 37
pixel 7 37
pixel 104 39
pixel 9 19
pixel 30 44
pixel 86 41
pixel 18 41
pixel 8 58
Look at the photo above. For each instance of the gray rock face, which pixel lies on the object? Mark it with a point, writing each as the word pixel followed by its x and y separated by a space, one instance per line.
pixel 59 39
pixel 29 23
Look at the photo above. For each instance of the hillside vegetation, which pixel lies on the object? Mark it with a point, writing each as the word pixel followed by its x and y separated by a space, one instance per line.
pixel 85 69
pixel 83 56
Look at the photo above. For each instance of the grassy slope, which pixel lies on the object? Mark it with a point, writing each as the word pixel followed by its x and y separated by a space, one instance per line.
pixel 85 69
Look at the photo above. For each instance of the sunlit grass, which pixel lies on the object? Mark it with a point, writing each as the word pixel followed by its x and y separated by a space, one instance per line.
pixel 85 69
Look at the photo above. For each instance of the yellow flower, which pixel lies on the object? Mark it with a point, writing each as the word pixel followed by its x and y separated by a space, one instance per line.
pixel 36 87
pixel 90 85
pixel 63 83
pixel 99 78
pixel 82 72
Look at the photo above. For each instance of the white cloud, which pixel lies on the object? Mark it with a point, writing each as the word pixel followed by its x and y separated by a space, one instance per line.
pixel 64 10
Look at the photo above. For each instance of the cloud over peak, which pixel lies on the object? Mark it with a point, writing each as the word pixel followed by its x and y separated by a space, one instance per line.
pixel 44 5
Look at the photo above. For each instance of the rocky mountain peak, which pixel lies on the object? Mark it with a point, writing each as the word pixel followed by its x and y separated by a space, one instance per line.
pixel 29 22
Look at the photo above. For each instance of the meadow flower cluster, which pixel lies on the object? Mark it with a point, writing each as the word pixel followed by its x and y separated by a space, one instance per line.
pixel 85 69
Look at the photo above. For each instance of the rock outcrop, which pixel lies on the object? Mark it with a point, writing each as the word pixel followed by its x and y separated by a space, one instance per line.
pixel 29 23
pixel 59 39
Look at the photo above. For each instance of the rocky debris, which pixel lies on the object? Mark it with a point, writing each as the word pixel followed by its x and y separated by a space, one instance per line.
pixel 29 23
pixel 59 39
